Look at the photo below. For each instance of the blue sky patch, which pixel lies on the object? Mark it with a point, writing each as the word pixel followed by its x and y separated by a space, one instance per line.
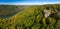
pixel 28 1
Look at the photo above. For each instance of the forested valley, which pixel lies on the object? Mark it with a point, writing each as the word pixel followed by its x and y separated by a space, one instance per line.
pixel 29 17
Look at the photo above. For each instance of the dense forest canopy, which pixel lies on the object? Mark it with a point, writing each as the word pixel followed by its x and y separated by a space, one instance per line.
pixel 8 10
pixel 29 17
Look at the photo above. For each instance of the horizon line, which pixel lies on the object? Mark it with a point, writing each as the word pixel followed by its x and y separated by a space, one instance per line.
pixel 31 3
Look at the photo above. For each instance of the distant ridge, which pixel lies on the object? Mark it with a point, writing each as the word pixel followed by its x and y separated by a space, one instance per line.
pixel 29 3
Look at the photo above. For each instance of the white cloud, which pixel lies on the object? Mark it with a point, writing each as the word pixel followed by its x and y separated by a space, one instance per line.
pixel 30 3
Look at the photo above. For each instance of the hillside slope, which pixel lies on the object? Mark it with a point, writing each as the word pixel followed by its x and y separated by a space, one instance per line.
pixel 32 18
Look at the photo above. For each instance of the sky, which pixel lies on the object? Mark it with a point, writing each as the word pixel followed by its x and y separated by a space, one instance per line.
pixel 29 2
